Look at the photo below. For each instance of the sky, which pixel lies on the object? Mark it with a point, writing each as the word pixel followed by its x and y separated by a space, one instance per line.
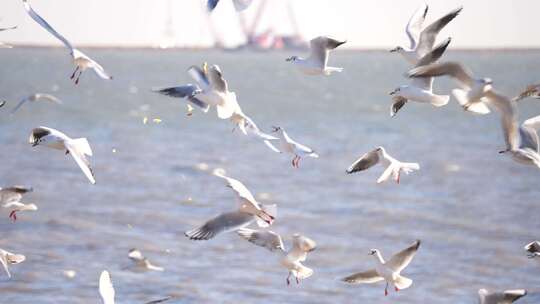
pixel 185 23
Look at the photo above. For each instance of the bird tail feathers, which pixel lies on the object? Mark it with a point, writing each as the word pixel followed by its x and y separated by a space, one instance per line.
pixel 402 282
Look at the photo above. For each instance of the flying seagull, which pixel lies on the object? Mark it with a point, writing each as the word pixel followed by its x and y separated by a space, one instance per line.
pixel 211 90
pixel 141 261
pixel 239 5
pixel 36 97
pixel 13 194
pixel 106 288
pixel 423 40
pixel 288 145
pixel 521 142
pixel 5 45
pixel 17 207
pixel 8 258
pixel 532 90
pixel 249 211
pixel 533 249
pixel 389 271
pixel 78 148
pixel 473 90
pixel 421 89
pixel 81 61
pixel 379 155
pixel 2 103
pixel 317 62
pixel 505 297
pixel 292 259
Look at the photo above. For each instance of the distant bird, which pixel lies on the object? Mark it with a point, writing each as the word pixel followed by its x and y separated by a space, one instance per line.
pixel 211 90
pixel 505 297
pixel 533 249
pixel 2 103
pixel 239 5
pixel 292 259
pixel 389 271
pixel 379 155
pixel 81 61
pixel 18 207
pixel 5 45
pixel 317 62
pixel 522 143
pixel 141 261
pixel 8 258
pixel 288 145
pixel 421 39
pixel 13 194
pixel 106 288
pixel 532 90
pixel 78 148
pixel 249 211
pixel 473 90
pixel 36 97
pixel 8 28
pixel 421 89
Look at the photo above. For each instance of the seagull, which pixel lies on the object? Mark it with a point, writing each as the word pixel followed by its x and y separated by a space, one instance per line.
pixel 389 271
pixel 422 40
pixel 81 61
pixel 421 89
pixel 289 259
pixel 13 194
pixel 78 148
pixel 290 146
pixel 141 261
pixel 7 258
pixel 248 127
pixel 472 91
pixel 2 103
pixel 106 288
pixel 393 166
pixel 36 97
pixel 18 206
pixel 249 210
pixel 532 90
pixel 316 63
pixel 522 143
pixel 505 297
pixel 533 249
pixel 239 5
pixel 211 90
pixel 5 45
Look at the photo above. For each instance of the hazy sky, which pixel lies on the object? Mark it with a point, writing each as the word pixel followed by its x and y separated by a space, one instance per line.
pixel 364 23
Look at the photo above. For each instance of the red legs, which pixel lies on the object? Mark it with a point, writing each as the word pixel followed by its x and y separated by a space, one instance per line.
pixel 398 175
pixel 386 290
pixel 75 72
pixel 79 76
pixel 297 281
pixel 296 161
pixel 13 215
pixel 396 289
pixel 288 279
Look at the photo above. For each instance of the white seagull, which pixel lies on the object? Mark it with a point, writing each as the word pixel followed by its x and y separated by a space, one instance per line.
pixel 532 90
pixel 36 97
pixel 292 259
pixel 8 258
pixel 317 62
pixel 17 207
pixel 249 211
pixel 521 142
pixel 13 194
pixel 81 61
pixel 211 90
pixel 533 249
pixel 5 45
pixel 505 297
pixel 106 288
pixel 473 90
pixel 239 5
pixel 421 89
pixel 286 144
pixel 389 271
pixel 379 155
pixel 78 148
pixel 141 261
pixel 422 40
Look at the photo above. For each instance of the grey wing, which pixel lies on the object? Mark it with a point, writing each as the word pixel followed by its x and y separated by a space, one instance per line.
pixel 365 277
pixel 302 243
pixel 187 91
pixel 414 26
pixel 267 239
pixel 533 247
pixel 429 34
pixel 320 48
pixel 513 295
pixel 199 76
pixel 46 25
pixel 241 5
pixel 366 161
pixel 434 54
pixel 400 260
pixel 159 300
pixel 18 105
pixel 13 194
pixel 49 97
pixel 8 28
pixel 100 71
pixel 531 91
pixel 212 4
pixel 216 79
pixel 529 138
pixel 452 69
pixel 509 123
pixel 222 223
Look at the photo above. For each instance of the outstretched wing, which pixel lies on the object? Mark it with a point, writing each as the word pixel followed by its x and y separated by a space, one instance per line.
pixel 106 288
pixel 222 223
pixel 429 34
pixel 365 277
pixel 400 260
pixel 46 25
pixel 81 160
pixel 365 161
pixel 267 239
pixel 414 26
